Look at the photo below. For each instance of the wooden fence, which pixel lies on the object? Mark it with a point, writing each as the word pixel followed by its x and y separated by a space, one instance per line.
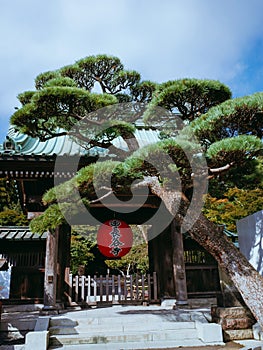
pixel 119 289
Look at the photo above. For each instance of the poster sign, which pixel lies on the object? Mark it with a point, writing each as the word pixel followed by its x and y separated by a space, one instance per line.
pixel 114 238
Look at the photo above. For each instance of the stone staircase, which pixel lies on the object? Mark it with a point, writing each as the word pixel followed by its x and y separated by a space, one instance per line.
pixel 132 328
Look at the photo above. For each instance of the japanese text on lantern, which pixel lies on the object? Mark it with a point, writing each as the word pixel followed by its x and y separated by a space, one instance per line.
pixel 115 242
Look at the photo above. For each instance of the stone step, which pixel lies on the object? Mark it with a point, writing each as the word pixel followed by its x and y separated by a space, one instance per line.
pixel 121 327
pixel 22 325
pixel 121 319
pixel 62 321
pixel 13 347
pixel 133 328
pixel 112 328
pixel 135 345
pixel 125 337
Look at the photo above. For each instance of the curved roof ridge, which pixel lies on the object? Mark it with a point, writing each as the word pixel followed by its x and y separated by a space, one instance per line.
pixel 65 145
pixel 25 143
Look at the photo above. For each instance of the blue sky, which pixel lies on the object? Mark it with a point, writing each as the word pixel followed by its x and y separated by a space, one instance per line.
pixel 163 40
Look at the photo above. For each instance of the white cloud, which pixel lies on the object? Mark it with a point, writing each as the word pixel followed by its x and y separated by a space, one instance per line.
pixel 163 40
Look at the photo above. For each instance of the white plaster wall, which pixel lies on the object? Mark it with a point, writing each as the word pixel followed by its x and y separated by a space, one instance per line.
pixel 250 237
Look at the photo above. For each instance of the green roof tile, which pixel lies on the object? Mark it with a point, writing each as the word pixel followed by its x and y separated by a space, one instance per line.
pixel 18 233
pixel 64 145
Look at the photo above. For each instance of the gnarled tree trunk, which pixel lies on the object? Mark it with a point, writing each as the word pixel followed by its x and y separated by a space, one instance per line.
pixel 247 280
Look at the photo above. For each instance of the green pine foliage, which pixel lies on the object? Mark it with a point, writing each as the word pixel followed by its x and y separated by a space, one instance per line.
pixel 235 149
pixel 228 130
pixel 231 118
pixel 188 97
pixel 61 81
pixel 49 220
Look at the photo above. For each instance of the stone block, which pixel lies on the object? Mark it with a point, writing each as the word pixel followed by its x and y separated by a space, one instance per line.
pixel 168 302
pixel 237 334
pixel 209 333
pixel 37 340
pixel 234 323
pixel 42 323
pixel 198 317
pixel 22 308
pixel 231 312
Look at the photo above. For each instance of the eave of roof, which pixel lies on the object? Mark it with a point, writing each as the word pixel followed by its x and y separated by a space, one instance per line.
pixel 26 146
pixel 20 233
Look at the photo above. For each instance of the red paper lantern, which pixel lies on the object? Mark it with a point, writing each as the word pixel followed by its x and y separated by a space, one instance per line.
pixel 114 238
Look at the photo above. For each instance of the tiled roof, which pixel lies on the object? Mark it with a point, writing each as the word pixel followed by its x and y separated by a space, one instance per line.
pixel 64 146
pixel 20 233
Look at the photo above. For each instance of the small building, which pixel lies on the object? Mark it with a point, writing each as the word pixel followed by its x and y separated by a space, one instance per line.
pixel 24 255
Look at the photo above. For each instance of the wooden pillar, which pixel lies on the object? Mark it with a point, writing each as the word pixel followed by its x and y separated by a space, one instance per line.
pixel 50 282
pixel 160 261
pixel 178 264
pixel 64 238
